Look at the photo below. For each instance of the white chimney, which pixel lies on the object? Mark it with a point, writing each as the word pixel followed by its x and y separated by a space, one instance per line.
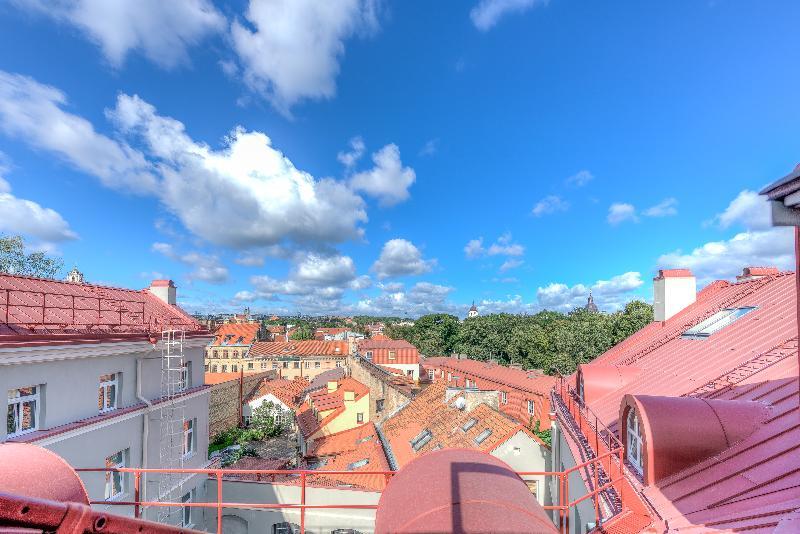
pixel 165 290
pixel 673 290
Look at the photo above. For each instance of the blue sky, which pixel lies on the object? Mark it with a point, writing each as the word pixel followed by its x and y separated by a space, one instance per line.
pixel 369 156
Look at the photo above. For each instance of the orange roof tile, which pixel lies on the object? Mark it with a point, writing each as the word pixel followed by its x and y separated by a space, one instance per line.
pixel 218 378
pixel 299 348
pixel 236 334
pixel 287 391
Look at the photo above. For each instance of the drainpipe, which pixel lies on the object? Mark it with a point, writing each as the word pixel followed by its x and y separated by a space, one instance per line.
pixel 145 425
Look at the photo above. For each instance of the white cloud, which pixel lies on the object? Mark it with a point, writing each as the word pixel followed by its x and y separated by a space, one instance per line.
pixel 388 180
pixel 620 212
pixel 429 148
pixel 488 13
pixel 504 246
pixel 550 204
pixel 666 208
pixel 205 267
pixel 251 186
pixel 758 245
pixel 20 216
pixel 33 111
pixel 422 298
pixel 580 178
pixel 161 30
pixel 350 158
pixel 747 209
pixel 400 257
pixel 510 264
pixel 292 48
pixel 610 295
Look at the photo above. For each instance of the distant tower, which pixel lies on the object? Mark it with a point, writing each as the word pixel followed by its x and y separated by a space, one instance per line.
pixel 590 305
pixel 74 276
pixel 473 311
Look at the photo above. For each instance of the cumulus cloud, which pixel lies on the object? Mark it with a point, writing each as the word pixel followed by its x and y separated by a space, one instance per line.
pixel 388 180
pixel 20 216
pixel 205 267
pixel 610 295
pixel 400 257
pixel 550 204
pixel 510 264
pixel 620 212
pixel 351 157
pixel 420 299
pixel 290 50
pixel 161 30
pixel 504 246
pixel 758 245
pixel 488 13
pixel 580 178
pixel 666 208
pixel 34 112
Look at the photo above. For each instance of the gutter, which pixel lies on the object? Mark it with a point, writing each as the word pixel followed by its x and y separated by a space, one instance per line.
pixel 145 424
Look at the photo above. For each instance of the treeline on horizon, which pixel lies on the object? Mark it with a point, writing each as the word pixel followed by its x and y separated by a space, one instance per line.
pixel 552 341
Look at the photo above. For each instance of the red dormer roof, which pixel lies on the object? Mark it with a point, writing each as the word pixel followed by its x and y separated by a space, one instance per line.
pixel 323 400
pixel 38 310
pixel 236 334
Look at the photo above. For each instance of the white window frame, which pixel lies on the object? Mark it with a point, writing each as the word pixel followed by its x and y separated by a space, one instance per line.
pixel 431 374
pixel 531 408
pixel 503 397
pixel 633 447
pixel 368 355
pixel 392 354
pixel 186 375
pixel 123 478
pixel 105 386
pixel 18 402
pixel 189 438
pixel 360 417
pixel 186 511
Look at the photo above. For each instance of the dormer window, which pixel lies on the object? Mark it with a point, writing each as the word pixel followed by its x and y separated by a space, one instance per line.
pixel 633 450
pixel 716 322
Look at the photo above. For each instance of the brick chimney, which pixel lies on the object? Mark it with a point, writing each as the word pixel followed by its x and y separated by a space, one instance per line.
pixel 165 290
pixel 332 385
pixel 673 290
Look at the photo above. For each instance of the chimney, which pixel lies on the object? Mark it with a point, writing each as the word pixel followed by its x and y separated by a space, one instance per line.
pixel 332 385
pixel 673 290
pixel 751 273
pixel 165 290
pixel 349 396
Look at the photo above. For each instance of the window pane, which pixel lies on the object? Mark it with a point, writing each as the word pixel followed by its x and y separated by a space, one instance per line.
pixel 28 415
pixel 111 396
pixel 11 420
pixel 101 398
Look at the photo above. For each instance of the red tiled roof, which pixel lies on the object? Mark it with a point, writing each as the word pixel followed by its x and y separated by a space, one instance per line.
pixel 276 329
pixel 750 484
pixel 445 421
pixel 287 391
pixel 322 400
pixel 384 343
pixel 339 451
pixel 236 334
pixel 299 348
pixel 37 309
pixel 250 462
pixel 530 381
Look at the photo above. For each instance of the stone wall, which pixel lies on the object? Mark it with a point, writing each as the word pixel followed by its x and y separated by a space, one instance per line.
pixel 224 403
pixel 379 382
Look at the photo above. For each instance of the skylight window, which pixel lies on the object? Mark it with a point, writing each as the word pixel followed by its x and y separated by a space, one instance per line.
pixel 469 424
pixel 362 440
pixel 422 438
pixel 360 463
pixel 480 438
pixel 716 322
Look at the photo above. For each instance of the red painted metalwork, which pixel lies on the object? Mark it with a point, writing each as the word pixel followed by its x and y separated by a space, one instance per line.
pixel 797 291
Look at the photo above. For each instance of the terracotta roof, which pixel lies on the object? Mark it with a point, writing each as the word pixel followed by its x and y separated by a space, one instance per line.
pixel 287 391
pixel 322 401
pixel 384 343
pixel 34 309
pixel 446 423
pixel 338 452
pixel 299 348
pixel 751 482
pixel 236 334
pixel 250 462
pixel 276 329
pixel 530 381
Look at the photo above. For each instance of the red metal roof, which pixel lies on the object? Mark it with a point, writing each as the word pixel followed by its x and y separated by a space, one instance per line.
pixel 299 348
pixel 42 310
pixel 752 483
pixel 384 343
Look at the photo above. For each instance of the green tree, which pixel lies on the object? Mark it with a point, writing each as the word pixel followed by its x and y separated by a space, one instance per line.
pixel 303 332
pixel 13 259
pixel 263 421
pixel 435 334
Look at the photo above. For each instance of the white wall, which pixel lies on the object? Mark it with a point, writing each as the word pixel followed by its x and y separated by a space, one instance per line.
pixel 522 453
pixel 671 294
pixel 405 367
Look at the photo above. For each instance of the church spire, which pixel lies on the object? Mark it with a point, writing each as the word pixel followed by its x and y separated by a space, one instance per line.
pixel 590 305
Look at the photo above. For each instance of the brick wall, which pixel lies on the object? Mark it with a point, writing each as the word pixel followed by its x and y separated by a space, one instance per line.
pixel 380 387
pixel 223 406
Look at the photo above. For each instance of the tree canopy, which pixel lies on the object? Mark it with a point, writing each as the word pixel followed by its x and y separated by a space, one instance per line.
pixel 14 260
pixel 552 341
pixel 303 332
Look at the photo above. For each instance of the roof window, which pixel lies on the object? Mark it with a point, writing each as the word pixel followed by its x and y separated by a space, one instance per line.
pixel 422 438
pixel 480 438
pixel 360 463
pixel 716 322
pixel 469 424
